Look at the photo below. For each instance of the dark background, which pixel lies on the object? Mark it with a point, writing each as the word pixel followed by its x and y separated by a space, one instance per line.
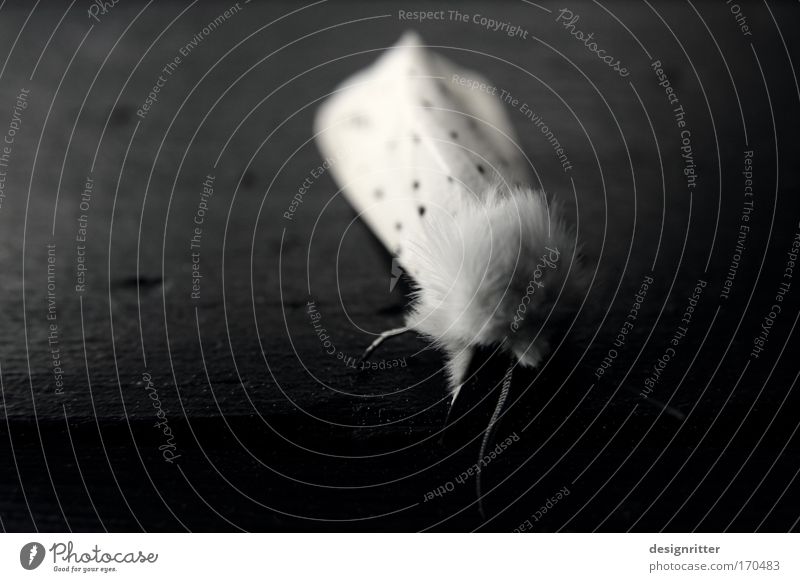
pixel 274 434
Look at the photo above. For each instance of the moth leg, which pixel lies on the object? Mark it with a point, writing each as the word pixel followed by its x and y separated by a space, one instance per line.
pixel 382 338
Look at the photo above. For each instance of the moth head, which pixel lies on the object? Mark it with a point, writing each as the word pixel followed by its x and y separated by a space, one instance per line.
pixel 505 271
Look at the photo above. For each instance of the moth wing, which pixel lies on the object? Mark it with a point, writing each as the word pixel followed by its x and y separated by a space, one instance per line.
pixel 409 145
pixel 488 132
pixel 362 128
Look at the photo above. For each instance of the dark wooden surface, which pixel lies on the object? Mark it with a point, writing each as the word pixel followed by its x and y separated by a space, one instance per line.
pixel 273 433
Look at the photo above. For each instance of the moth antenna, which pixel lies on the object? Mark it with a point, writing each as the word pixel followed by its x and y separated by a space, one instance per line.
pixel 382 337
pixel 501 400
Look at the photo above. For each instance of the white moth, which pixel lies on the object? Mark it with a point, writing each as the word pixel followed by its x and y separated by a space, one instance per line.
pixel 428 158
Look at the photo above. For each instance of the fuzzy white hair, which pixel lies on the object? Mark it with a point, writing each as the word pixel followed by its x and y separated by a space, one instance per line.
pixel 493 274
